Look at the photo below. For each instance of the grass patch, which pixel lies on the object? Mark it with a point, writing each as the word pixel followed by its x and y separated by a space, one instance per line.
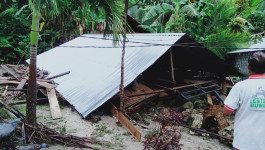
pixel 4 113
pixel 21 109
pixel 101 130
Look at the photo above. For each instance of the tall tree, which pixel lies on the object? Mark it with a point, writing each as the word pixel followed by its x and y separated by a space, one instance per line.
pixel 114 25
pixel 36 7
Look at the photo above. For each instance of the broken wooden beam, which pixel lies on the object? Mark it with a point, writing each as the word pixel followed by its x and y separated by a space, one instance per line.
pixel 54 105
pixel 12 110
pixel 209 99
pixel 125 122
pixel 12 72
pixel 8 82
pixel 59 75
pixel 43 84
pixel 168 89
pixel 24 102
pixel 21 84
pixel 4 93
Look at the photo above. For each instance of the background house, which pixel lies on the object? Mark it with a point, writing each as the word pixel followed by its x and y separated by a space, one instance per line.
pixel 240 57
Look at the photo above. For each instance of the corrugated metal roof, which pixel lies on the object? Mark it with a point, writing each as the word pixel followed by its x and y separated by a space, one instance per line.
pixel 95 71
pixel 257 47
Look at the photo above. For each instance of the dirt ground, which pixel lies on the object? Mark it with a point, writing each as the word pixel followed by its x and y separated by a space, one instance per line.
pixel 117 137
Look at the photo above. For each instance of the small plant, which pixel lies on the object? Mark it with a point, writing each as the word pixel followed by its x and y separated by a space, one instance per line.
pixel 127 133
pixel 151 133
pixel 137 116
pixel 62 129
pixel 157 108
pixel 108 145
pixel 2 90
pixel 101 130
pixel 118 141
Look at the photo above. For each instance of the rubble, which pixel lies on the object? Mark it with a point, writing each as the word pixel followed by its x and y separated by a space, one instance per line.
pixel 201 113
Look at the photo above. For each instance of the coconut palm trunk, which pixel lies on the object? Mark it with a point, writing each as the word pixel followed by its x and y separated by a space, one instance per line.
pixel 32 86
pixel 114 26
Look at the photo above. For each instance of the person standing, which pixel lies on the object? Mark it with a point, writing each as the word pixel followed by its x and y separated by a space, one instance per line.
pixel 247 100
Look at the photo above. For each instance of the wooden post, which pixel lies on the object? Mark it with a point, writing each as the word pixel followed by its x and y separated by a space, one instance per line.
pixel 172 65
pixel 223 84
pixel 209 99
pixel 125 122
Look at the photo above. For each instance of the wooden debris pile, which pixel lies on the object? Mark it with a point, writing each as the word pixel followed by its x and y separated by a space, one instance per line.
pixel 41 133
pixel 13 86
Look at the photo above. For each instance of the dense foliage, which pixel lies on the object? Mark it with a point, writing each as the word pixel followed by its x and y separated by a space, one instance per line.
pixel 71 19
pixel 204 20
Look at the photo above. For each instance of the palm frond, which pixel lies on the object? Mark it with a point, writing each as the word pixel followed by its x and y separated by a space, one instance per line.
pixel 230 41
pixel 113 18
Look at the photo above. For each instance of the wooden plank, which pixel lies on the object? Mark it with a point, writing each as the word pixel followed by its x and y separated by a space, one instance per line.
pixel 172 65
pixel 54 105
pixel 6 78
pixel 12 72
pixel 169 89
pixel 4 93
pixel 44 92
pixel 125 122
pixel 21 84
pixel 209 99
pixel 8 82
pixel 140 88
pixel 44 84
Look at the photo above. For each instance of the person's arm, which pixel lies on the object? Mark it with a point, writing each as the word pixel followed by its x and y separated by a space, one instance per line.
pixel 232 101
pixel 228 111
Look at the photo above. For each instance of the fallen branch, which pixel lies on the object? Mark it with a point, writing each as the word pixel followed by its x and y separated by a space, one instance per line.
pixel 43 133
pixel 12 110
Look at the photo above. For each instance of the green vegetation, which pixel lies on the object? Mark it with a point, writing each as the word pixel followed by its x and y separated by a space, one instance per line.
pixel 62 129
pixel 101 130
pixel 205 20
pixel 4 114
pixel 149 134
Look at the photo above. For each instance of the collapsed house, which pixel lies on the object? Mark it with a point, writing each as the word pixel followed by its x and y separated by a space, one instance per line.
pixel 239 58
pixel 94 64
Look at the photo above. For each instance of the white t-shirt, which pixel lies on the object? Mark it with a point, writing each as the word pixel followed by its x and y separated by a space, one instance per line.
pixel 247 98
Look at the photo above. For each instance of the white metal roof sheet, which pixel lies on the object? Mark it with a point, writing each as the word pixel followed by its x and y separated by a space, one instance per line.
pixel 95 69
pixel 256 47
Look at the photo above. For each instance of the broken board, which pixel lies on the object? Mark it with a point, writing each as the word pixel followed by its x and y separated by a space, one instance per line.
pixel 54 105
pixel 125 122
pixel 140 89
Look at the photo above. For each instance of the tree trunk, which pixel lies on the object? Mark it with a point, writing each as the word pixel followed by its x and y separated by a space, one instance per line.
pixel 122 58
pixel 32 86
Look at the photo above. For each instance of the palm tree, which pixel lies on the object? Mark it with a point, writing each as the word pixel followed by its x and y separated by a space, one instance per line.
pixel 113 13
